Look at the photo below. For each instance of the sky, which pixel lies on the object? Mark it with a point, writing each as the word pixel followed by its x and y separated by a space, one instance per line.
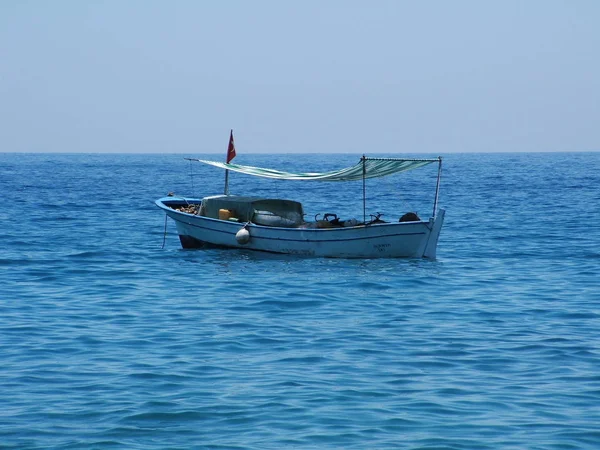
pixel 328 76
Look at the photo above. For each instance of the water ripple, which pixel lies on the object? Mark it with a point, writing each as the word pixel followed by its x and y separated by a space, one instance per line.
pixel 109 341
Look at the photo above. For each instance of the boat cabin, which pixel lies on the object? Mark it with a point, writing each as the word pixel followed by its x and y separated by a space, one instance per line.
pixel 261 211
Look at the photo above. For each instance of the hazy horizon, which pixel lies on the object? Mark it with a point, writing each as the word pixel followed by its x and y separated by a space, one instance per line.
pixel 311 77
pixel 372 153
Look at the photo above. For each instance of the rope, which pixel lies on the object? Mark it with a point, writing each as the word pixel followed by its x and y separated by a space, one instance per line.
pixel 165 234
pixel 192 176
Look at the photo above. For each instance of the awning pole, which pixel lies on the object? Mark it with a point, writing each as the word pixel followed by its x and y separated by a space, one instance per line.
pixel 437 186
pixel 364 173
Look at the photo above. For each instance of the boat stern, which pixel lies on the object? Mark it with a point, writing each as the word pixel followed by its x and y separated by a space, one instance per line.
pixel 431 246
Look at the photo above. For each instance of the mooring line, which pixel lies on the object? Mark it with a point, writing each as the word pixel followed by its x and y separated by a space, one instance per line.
pixel 192 175
pixel 165 233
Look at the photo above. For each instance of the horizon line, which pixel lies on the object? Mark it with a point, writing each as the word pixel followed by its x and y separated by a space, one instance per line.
pixel 289 153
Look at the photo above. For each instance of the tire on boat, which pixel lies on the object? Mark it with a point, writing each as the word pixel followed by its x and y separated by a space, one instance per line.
pixel 410 217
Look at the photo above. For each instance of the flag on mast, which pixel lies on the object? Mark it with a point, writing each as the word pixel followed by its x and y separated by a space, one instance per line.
pixel 230 148
pixel 230 156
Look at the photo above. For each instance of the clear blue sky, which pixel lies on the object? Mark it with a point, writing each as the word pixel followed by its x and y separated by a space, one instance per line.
pixel 303 76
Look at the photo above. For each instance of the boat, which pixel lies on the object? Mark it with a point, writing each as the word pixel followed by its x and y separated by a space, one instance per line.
pixel 279 225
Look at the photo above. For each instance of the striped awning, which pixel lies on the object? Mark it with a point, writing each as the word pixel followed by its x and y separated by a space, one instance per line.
pixel 366 168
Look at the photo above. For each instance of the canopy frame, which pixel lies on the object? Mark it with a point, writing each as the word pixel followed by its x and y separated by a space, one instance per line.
pixel 380 167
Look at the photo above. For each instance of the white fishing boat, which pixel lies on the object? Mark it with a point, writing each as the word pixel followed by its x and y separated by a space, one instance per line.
pixel 279 225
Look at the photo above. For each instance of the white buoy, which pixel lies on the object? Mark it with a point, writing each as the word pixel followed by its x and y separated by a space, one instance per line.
pixel 242 236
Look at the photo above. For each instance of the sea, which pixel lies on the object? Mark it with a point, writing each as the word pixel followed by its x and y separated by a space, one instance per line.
pixel 114 337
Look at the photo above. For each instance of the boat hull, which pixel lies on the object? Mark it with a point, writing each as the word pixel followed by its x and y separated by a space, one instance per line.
pixel 382 240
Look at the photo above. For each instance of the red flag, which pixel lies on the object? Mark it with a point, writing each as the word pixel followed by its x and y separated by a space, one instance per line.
pixel 231 148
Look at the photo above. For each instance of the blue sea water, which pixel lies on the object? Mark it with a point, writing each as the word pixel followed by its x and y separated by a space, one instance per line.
pixel 110 341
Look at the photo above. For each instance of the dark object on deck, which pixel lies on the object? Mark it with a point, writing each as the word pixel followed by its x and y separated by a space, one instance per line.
pixel 409 217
